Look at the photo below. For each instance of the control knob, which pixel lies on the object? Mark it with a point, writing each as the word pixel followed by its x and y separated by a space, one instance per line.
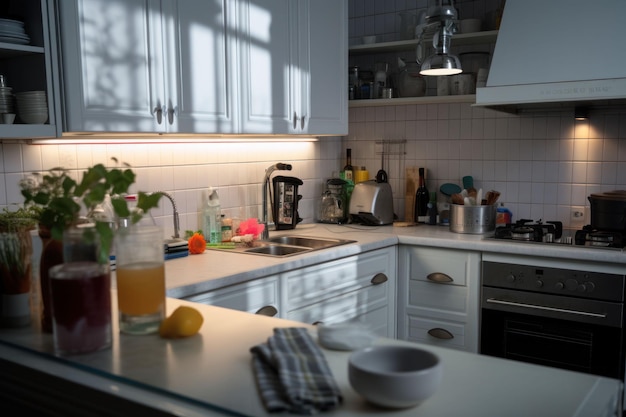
pixel 571 284
pixel 510 278
pixel 559 286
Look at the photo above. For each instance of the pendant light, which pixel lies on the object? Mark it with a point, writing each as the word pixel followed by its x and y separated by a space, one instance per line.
pixel 440 19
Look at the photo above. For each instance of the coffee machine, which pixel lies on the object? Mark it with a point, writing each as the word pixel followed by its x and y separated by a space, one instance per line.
pixel 285 202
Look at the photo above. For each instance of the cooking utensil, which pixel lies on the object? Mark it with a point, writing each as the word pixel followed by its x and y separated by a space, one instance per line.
pixel 468 182
pixel 381 175
pixel 457 198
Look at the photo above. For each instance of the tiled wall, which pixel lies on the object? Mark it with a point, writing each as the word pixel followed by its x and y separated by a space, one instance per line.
pixel 185 170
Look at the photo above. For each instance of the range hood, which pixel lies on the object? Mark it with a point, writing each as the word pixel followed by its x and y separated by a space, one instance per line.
pixel 558 53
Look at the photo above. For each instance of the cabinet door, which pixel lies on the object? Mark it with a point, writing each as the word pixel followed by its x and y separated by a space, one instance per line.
pixel 268 40
pixel 113 65
pixel 200 89
pixel 438 292
pixel 361 287
pixel 258 297
pixel 327 80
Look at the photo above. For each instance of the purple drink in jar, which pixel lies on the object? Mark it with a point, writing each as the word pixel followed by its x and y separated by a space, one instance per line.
pixel 81 307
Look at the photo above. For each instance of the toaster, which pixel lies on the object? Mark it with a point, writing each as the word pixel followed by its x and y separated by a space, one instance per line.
pixel 371 203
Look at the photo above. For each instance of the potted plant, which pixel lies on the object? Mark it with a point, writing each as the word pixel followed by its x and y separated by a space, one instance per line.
pixel 60 200
pixel 15 265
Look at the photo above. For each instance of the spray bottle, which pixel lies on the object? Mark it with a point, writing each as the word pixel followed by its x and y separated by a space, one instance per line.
pixel 212 227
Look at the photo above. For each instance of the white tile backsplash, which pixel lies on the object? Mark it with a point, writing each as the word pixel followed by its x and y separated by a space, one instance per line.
pixel 542 163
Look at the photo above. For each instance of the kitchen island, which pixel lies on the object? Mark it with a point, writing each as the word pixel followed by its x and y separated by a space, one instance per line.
pixel 210 374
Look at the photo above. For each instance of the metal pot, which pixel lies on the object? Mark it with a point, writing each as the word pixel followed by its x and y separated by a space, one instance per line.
pixel 472 219
pixel 608 210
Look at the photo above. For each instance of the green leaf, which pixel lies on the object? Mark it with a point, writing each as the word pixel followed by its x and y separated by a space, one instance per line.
pixel 106 241
pixel 120 206
pixel 148 201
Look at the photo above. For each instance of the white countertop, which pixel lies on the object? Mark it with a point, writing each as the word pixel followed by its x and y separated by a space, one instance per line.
pixel 193 376
pixel 214 269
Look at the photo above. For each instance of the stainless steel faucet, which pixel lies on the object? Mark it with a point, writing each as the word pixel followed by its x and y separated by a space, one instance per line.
pixel 176 218
pixel 266 187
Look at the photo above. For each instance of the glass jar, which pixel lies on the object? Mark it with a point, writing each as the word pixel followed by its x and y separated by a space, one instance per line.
pixel 410 82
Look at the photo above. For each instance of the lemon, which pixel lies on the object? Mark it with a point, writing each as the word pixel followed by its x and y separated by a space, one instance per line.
pixel 183 322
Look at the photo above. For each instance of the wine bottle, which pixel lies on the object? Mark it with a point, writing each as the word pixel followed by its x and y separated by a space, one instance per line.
pixel 348 171
pixel 422 196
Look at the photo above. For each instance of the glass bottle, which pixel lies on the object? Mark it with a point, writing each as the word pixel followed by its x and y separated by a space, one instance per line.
pixel 348 170
pixel 422 197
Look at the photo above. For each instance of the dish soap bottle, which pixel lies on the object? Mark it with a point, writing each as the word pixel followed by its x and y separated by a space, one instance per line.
pixel 212 227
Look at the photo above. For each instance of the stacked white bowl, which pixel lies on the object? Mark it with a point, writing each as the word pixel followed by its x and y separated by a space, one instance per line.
pixel 32 107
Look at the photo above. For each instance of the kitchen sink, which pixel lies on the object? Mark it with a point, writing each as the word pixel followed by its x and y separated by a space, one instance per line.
pixel 281 246
pixel 277 250
pixel 309 242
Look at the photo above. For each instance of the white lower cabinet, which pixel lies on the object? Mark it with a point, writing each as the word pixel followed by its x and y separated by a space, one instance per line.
pixel 359 288
pixel 438 296
pixel 259 297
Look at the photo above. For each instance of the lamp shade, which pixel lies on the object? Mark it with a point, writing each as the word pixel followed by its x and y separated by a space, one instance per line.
pixel 441 64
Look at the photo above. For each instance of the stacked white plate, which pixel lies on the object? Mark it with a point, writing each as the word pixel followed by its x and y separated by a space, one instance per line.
pixel 32 107
pixel 12 31
pixel 6 100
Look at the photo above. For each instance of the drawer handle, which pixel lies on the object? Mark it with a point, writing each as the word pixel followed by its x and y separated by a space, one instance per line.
pixel 439 277
pixel 269 311
pixel 379 278
pixel 315 323
pixel 440 333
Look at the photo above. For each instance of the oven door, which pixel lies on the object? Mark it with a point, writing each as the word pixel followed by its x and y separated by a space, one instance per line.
pixel 537 329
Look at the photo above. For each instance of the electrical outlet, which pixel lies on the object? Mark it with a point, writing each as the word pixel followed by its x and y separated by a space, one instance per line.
pixel 379 148
pixel 577 216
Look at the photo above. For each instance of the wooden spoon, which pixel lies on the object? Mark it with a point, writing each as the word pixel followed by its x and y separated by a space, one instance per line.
pixel 457 199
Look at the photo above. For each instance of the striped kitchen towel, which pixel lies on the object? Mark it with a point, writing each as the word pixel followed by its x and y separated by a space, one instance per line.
pixel 292 374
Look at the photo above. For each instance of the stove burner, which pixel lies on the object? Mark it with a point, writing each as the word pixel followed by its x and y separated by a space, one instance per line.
pixel 527 230
pixel 588 236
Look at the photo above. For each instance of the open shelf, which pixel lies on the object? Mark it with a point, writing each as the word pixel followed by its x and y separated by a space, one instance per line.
pixel 474 38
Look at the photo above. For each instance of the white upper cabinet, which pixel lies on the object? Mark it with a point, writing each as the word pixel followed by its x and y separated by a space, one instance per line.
pixel 198 66
pixel 146 66
pixel 293 58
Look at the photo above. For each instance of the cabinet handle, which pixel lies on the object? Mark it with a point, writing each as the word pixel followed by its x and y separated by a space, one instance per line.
pixel 379 278
pixel 440 333
pixel 315 323
pixel 158 111
pixel 439 277
pixel 295 120
pixel 302 122
pixel 269 311
pixel 171 112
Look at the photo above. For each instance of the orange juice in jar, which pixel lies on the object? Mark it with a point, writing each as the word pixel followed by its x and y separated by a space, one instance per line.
pixel 140 275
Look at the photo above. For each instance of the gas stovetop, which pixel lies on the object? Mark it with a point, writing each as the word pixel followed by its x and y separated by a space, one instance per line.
pixel 552 232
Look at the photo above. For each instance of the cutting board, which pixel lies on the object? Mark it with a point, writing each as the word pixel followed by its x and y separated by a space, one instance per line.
pixel 412 182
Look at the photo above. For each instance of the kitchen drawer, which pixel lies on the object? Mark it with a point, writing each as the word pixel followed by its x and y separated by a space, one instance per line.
pixel 428 264
pixel 437 296
pixel 249 296
pixel 314 284
pixel 369 306
pixel 419 328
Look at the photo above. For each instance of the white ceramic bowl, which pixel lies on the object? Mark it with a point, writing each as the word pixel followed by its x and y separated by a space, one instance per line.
pixel 394 376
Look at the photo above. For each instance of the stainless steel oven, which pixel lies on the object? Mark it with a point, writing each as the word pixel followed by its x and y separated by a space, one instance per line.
pixel 559 317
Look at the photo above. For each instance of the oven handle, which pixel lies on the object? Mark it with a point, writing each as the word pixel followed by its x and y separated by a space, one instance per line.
pixel 537 307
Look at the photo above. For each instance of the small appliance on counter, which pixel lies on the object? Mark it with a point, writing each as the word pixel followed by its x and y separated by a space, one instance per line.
pixel 371 203
pixel 333 205
pixel 285 202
